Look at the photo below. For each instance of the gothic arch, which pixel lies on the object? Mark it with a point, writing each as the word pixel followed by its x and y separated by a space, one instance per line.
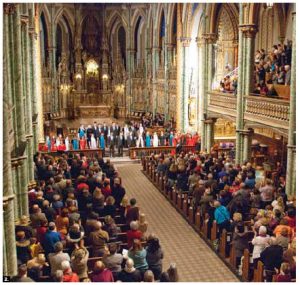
pixel 44 10
pixel 114 18
pixel 62 12
pixel 170 21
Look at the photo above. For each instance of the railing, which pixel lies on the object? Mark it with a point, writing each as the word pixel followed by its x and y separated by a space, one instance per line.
pixel 224 103
pixel 259 109
pixel 139 152
pixel 269 111
pixel 87 152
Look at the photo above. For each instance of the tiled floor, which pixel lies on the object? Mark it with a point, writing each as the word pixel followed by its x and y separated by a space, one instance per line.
pixel 196 262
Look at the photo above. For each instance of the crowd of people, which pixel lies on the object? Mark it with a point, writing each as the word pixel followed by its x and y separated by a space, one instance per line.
pixel 257 212
pixel 273 67
pixel 79 210
pixel 116 138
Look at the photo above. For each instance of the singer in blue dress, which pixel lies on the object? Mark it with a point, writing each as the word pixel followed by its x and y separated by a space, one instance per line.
pixel 102 141
pixel 75 143
pixel 148 140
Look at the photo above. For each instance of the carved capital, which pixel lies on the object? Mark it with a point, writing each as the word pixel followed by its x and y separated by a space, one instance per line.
pixel 185 41
pixel 9 8
pixel 249 31
pixel 210 38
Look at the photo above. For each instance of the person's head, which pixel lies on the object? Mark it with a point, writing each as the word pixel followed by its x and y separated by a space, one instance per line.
pixel 137 245
pixel 132 202
pixel 149 276
pixel 64 212
pixel 237 217
pixel 58 247
pixel 217 204
pixel 113 247
pixel 173 273
pixel 272 241
pixel 79 254
pixel 285 268
pixel 134 225
pixel 284 232
pixel 51 226
pixel 99 266
pixel 58 276
pixel 22 270
pixel 153 244
pixel 97 226
pixel 165 277
pixel 110 200
pixel 284 222
pixel 262 231
pixel 65 265
pixel 117 181
pixel 129 266
pixel 142 218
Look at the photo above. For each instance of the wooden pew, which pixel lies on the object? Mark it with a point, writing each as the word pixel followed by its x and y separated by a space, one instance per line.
pixel 185 205
pixel 246 265
pixel 232 257
pixel 259 272
pixel 179 201
pixel 214 229
pixel 191 215
pixel 205 229
pixel 223 243
pixel 198 219
pixel 174 197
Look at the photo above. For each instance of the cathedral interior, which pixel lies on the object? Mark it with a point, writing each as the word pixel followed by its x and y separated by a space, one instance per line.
pixel 224 70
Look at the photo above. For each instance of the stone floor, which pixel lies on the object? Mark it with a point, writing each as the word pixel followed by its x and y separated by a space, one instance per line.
pixel 196 262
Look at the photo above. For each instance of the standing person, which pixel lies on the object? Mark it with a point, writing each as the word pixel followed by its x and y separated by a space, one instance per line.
pixel 120 144
pixel 48 142
pixel 155 140
pixel 75 145
pixel 171 139
pixel 130 140
pixel 96 130
pixel 162 139
pixel 154 257
pixel 148 139
pixel 102 143
pixel 81 132
pixel 104 130
pixel 126 134
pixel 93 143
pixel 111 145
pixel 82 143
pixel 67 143
pixel 138 254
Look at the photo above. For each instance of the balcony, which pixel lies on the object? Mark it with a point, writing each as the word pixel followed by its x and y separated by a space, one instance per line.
pixel 258 109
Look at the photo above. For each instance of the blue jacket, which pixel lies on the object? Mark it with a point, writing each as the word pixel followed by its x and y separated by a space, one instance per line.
pixel 51 238
pixel 221 215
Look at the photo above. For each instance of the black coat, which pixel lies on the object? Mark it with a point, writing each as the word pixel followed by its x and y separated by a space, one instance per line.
pixel 272 257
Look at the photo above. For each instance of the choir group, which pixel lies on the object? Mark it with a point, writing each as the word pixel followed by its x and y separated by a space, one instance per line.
pixel 115 136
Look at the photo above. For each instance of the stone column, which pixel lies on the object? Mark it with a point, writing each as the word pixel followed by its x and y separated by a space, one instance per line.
pixel 291 151
pixel 168 63
pixel 28 95
pixel 210 134
pixel 247 142
pixel 185 77
pixel 9 251
pixel 202 51
pixel 19 101
pixel 38 78
pixel 155 65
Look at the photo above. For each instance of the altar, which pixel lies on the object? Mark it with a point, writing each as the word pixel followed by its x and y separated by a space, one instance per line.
pixel 100 111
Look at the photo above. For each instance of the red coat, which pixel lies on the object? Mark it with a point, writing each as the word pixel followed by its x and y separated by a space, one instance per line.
pixel 61 147
pixel 131 235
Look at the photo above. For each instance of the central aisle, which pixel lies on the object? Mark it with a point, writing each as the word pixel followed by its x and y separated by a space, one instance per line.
pixel 181 244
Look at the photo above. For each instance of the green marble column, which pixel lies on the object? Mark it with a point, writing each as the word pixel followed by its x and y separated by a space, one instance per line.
pixel 9 248
pixel 202 45
pixel 247 142
pixel 33 64
pixel 155 64
pixel 28 94
pixel 185 78
pixel 20 112
pixel 210 134
pixel 291 151
pixel 168 63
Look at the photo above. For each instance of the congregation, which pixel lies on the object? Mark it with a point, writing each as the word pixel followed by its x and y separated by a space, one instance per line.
pixel 273 67
pixel 256 212
pixel 84 227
